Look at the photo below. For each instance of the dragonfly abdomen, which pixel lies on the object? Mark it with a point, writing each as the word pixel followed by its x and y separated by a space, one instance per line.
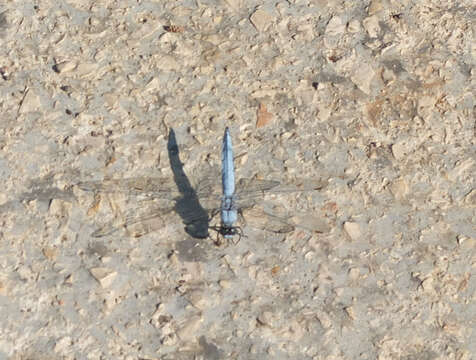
pixel 228 170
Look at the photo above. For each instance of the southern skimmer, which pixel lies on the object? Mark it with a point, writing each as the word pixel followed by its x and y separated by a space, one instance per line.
pixel 197 205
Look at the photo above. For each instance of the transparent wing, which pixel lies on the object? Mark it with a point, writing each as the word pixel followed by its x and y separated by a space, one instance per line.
pixel 152 186
pixel 298 185
pixel 194 205
pixel 277 220
pixel 156 187
pixel 260 218
pixel 135 225
pixel 311 222
pixel 206 188
pixel 249 191
pixel 139 225
pixel 192 209
pixel 254 187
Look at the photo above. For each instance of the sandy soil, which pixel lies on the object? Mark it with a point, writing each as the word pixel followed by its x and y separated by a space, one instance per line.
pixel 374 100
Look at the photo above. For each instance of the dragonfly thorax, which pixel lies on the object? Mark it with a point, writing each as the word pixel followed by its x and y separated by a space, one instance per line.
pixel 228 203
pixel 229 213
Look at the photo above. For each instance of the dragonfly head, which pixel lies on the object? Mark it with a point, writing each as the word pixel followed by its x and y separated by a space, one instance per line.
pixel 228 233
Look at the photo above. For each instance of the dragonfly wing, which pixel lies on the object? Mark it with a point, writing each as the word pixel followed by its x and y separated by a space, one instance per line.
pixel 139 223
pixel 209 188
pixel 254 187
pixel 154 187
pixel 258 188
pixel 135 224
pixel 277 220
pixel 311 222
pixel 250 191
pixel 260 218
pixel 299 185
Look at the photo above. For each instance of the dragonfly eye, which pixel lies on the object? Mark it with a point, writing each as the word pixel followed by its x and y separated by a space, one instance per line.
pixel 231 231
pixel 228 231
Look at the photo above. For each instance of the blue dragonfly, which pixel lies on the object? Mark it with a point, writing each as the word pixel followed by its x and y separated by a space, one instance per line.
pixel 228 210
pixel 198 205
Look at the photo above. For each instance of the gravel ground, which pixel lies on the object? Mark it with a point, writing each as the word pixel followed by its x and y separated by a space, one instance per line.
pixel 375 100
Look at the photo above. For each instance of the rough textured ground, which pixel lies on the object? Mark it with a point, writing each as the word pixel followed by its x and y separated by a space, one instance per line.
pixel 376 99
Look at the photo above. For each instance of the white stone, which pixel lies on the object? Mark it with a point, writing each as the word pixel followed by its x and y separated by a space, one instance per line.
pixel 350 312
pixel 363 77
pixel 459 170
pixel 371 24
pixel 399 189
pixel 261 20
pixel 399 150
pixel 471 197
pixel 354 273
pixel 66 66
pixel 188 331
pixel 63 344
pixel 86 69
pixel 335 26
pixel 30 103
pixel 353 26
pixel 427 284
pixel 375 7
pixel 198 299
pixel 104 276
pixel 167 62
pixel 266 318
pixel 353 230
pixel 224 284
pixel 234 4
pixel 169 340
pixel 59 208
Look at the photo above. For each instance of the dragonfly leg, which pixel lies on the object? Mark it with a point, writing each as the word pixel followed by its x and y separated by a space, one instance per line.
pixel 213 213
pixel 240 233
pixel 242 217
pixel 218 241
pixel 217 229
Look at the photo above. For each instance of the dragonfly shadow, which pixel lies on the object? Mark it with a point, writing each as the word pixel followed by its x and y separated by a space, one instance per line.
pixel 187 206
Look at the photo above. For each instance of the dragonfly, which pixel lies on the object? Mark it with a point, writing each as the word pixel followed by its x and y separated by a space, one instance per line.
pixel 198 205
pixel 228 210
